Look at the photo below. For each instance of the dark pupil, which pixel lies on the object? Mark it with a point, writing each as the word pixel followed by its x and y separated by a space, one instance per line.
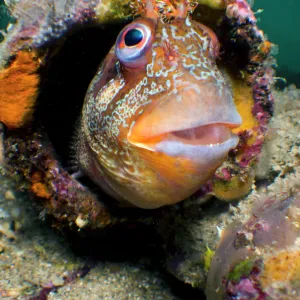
pixel 133 37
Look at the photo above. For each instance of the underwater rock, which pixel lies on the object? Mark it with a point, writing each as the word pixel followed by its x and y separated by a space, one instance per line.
pixel 32 29
pixel 259 258
pixel 37 25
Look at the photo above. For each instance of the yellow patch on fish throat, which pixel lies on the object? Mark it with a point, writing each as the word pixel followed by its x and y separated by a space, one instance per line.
pixel 157 116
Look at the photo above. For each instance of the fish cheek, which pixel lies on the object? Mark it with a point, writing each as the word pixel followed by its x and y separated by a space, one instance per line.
pixel 92 168
pixel 103 89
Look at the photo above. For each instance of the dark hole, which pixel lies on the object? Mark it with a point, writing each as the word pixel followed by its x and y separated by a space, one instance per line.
pixel 70 67
pixel 237 49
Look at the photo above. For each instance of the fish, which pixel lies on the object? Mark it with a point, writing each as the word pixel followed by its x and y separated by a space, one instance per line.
pixel 157 119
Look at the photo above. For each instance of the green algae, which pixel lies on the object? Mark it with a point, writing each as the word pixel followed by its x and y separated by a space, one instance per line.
pixel 242 269
pixel 208 256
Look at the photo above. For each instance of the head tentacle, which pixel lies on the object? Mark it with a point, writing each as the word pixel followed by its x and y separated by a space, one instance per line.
pixel 167 10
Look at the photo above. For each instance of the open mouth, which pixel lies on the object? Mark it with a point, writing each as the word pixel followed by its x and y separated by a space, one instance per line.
pixel 202 135
pixel 194 122
pixel 203 141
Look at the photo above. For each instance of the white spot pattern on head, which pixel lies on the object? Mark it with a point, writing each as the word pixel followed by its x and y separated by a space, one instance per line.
pixel 110 111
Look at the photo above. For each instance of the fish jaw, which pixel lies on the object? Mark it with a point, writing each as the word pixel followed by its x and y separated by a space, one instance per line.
pixel 175 170
pixel 181 162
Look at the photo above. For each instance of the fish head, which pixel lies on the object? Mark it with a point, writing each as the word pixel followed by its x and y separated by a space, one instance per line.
pixel 157 118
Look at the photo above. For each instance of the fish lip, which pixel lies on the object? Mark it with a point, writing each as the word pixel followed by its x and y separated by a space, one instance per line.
pixel 228 123
pixel 231 140
pixel 175 148
pixel 191 107
pixel 179 127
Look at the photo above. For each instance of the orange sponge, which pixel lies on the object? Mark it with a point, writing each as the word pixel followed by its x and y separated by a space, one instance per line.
pixel 18 90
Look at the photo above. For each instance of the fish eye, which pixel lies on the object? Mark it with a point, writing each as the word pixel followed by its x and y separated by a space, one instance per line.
pixel 132 44
pixel 133 37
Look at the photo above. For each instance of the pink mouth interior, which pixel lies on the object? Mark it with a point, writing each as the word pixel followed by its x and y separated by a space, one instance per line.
pixel 202 135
